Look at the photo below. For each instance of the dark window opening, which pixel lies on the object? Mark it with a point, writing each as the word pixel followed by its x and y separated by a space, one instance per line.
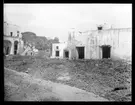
pixel 17 33
pixel 57 53
pixel 66 54
pixel 80 52
pixel 106 51
pixel 57 47
pixel 11 33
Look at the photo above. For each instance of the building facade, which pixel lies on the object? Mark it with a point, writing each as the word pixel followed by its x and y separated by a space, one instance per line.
pixel 114 43
pixel 58 50
pixel 109 43
pixel 13 43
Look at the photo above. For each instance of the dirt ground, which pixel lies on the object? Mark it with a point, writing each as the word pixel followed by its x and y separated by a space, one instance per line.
pixel 105 78
pixel 23 87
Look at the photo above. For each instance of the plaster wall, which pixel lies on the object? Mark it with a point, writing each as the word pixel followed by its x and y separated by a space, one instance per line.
pixel 12 28
pixel 119 40
pixel 15 36
pixel 61 47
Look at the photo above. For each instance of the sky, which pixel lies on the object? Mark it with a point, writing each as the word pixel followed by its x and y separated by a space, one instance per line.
pixel 55 20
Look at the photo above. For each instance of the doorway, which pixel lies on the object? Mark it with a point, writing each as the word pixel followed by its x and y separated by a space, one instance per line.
pixel 66 54
pixel 7 51
pixel 80 52
pixel 7 47
pixel 15 47
pixel 57 53
pixel 106 49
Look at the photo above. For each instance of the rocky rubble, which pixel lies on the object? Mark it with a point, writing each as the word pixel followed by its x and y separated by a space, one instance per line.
pixel 107 78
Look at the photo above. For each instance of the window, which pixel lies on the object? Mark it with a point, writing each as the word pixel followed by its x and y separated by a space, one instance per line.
pixel 11 33
pixel 17 33
pixel 57 47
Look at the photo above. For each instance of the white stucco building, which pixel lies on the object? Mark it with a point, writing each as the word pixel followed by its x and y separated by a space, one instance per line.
pixel 13 43
pixel 58 50
pixel 105 42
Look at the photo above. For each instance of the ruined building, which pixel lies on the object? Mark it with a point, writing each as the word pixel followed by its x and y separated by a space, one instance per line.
pixel 114 43
pixel 13 43
pixel 29 50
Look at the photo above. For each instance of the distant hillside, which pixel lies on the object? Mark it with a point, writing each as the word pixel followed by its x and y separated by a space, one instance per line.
pixel 40 42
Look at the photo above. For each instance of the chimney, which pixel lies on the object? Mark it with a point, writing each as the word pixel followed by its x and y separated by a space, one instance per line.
pixel 100 27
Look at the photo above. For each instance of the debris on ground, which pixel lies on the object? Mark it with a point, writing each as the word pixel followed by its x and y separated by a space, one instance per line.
pixel 107 78
pixel 22 87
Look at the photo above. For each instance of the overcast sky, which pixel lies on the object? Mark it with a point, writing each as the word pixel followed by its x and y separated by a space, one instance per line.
pixel 52 20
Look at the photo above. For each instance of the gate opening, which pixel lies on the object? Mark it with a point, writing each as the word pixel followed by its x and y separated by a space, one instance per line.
pixel 106 51
pixel 80 52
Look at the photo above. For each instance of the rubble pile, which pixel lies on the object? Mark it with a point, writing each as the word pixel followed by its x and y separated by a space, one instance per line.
pixel 18 63
pixel 108 74
pixel 107 78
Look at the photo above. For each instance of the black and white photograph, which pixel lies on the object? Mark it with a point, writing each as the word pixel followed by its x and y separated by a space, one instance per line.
pixel 67 52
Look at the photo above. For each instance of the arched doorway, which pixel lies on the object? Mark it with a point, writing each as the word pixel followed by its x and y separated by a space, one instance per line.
pixel 15 47
pixel 7 47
